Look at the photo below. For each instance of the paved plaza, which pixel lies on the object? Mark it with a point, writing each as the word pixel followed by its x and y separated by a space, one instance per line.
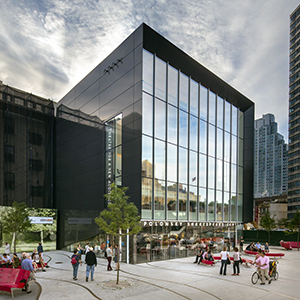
pixel 170 279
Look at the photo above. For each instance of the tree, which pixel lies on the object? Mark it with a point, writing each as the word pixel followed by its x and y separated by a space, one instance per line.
pixel 268 223
pixel 120 218
pixel 16 220
pixel 294 225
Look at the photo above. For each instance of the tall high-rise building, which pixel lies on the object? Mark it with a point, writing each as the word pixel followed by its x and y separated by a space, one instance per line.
pixel 294 115
pixel 270 159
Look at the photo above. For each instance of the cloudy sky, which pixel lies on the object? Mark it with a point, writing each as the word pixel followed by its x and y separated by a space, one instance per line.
pixel 47 46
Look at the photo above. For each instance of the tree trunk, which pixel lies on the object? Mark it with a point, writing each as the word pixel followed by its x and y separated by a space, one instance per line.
pixel 42 237
pixel 13 242
pixel 118 259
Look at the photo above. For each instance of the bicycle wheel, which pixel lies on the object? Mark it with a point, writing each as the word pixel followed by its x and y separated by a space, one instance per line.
pixel 276 276
pixel 254 278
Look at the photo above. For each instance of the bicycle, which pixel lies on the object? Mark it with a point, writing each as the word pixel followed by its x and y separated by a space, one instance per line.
pixel 274 275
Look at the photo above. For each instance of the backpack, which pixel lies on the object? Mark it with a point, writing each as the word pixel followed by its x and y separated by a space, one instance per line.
pixel 105 253
pixel 74 260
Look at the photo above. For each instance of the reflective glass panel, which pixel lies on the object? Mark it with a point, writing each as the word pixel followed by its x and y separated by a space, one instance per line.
pixel 212 108
pixel 172 163
pixel 183 164
pixel 172 124
pixel 227 116
pixel 240 207
pixel 219 176
pixel 172 201
pixel 147 165
pixel 241 124
pixel 220 110
pixel 241 152
pixel 182 202
pixel 159 200
pixel 193 168
pixel 172 85
pixel 193 203
pixel 226 146
pixel 160 78
pixel 233 178
pixel 234 149
pixel 219 199
pixel 203 103
pixel 183 128
pixel 234 120
pixel 219 143
pixel 147 72
pixel 160 119
pixel 147 114
pixel 183 92
pixel 211 172
pixel 211 205
pixel 193 133
pixel 202 204
pixel 203 137
pixel 233 207
pixel 226 206
pixel 240 182
pixel 226 176
pixel 202 170
pixel 159 159
pixel 211 140
pixel 146 198
pixel 194 91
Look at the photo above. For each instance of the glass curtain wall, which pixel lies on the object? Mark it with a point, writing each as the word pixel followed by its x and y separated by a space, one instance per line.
pixel 192 146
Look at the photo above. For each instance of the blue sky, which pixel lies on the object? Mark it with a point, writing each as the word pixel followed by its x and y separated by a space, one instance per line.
pixel 47 46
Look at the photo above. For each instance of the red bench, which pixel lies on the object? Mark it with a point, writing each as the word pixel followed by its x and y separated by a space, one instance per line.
pixel 289 245
pixel 247 262
pixel 267 253
pixel 207 262
pixel 12 279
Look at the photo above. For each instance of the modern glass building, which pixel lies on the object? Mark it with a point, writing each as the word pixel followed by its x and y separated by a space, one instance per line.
pixel 151 118
pixel 294 113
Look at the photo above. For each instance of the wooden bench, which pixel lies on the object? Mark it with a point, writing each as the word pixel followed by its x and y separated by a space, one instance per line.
pixel 13 279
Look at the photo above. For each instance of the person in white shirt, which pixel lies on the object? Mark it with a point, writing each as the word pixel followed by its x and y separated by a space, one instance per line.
pixel 5 260
pixel 224 256
pixel 257 245
pixel 236 263
pixel 7 248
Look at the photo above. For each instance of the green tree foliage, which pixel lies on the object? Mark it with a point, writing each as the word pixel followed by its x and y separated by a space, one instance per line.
pixel 268 223
pixel 121 217
pixel 15 220
pixel 294 225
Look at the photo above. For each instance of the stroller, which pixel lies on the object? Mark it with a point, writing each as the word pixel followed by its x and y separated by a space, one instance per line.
pixel 273 273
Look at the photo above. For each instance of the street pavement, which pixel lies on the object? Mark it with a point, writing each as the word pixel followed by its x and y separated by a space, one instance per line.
pixel 170 279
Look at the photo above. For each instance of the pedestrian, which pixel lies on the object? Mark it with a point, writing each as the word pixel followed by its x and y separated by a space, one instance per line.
pixel 116 258
pixel 27 265
pixel 75 261
pixel 80 250
pixel 108 257
pixel 263 262
pixel 224 257
pixel 7 248
pixel 40 248
pixel 91 263
pixel 241 243
pixel 236 262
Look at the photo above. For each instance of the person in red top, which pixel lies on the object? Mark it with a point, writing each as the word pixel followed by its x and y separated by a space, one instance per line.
pixel 263 262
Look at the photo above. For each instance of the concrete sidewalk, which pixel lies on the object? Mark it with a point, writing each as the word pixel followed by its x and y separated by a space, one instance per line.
pixel 176 279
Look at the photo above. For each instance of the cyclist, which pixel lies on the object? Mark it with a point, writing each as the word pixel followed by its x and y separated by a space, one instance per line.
pixel 263 267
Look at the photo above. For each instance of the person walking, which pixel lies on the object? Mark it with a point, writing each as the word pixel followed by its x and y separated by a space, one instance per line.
pixel 241 243
pixel 91 263
pixel 236 262
pixel 224 257
pixel 27 265
pixel 116 258
pixel 40 248
pixel 108 257
pixel 7 248
pixel 75 261
pixel 263 262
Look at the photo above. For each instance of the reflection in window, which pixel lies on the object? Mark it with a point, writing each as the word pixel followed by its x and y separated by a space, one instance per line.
pixel 212 108
pixel 172 124
pixel 211 205
pixel 147 156
pixel 240 182
pixel 241 124
pixel 146 198
pixel 193 168
pixel 182 202
pixel 160 117
pixel 203 103
pixel 193 133
pixel 220 109
pixel 172 201
pixel 183 129
pixel 159 199
pixel 240 207
pixel 233 178
pixel 160 78
pixel 172 85
pixel 226 176
pixel 147 114
pixel 219 200
pixel 219 176
pixel 211 140
pixel 202 170
pixel 226 146
pixel 194 91
pixel 227 117
pixel 234 149
pixel 193 198
pixel 233 207
pixel 183 163
pixel 147 72
pixel 202 136
pixel 172 163
pixel 234 120
pixel 211 172
pixel 219 143
pixel 202 204
pixel 159 159
pixel 226 206
pixel 241 152
pixel 183 92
